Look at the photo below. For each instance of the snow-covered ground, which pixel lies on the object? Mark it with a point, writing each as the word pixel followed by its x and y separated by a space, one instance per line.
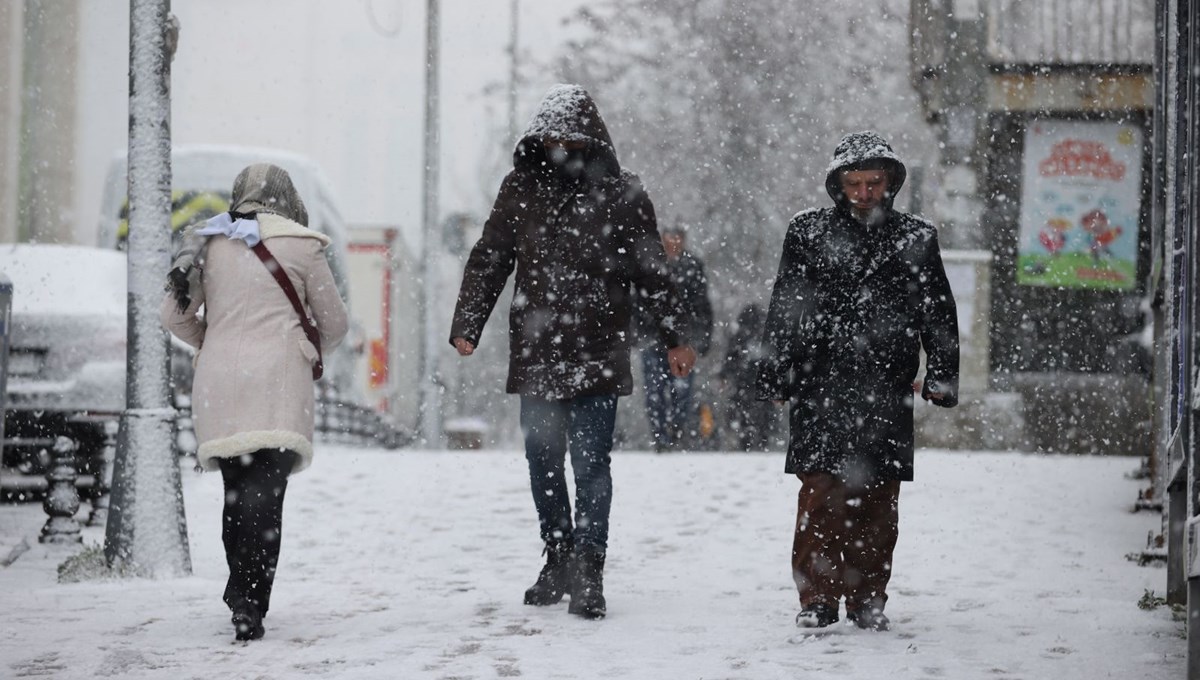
pixel 412 565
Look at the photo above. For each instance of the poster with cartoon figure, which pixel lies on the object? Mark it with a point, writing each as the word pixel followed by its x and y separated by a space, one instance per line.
pixel 1081 198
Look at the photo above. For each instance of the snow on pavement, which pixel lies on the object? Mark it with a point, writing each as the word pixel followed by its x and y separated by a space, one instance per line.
pixel 413 564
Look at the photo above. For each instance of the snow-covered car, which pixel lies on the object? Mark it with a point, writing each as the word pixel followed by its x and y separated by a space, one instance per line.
pixel 66 363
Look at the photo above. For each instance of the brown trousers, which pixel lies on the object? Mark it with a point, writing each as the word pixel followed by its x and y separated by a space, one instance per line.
pixel 844 540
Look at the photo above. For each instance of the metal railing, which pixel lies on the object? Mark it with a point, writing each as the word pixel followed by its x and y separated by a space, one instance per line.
pixel 336 421
pixel 345 423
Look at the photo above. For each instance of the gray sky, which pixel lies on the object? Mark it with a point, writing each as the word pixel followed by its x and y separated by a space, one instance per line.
pixel 321 78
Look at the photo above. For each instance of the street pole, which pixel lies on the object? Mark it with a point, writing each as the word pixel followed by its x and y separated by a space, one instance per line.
pixel 513 74
pixel 12 48
pixel 430 409
pixel 48 120
pixel 147 532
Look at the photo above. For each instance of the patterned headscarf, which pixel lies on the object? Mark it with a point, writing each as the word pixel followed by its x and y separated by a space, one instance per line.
pixel 261 187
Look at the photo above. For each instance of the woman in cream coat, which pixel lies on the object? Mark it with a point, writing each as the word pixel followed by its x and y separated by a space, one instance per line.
pixel 252 394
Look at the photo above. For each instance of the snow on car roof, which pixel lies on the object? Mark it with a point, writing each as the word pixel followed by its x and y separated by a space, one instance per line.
pixel 212 168
pixel 65 279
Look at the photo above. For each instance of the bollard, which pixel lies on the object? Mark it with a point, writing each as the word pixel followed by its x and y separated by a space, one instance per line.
pixel 102 494
pixel 334 422
pixel 6 295
pixel 322 424
pixel 62 498
pixel 465 432
pixel 185 427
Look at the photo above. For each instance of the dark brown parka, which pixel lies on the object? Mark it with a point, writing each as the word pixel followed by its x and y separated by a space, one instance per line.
pixel 583 244
pixel 852 307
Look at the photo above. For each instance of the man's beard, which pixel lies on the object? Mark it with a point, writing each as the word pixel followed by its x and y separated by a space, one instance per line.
pixel 871 217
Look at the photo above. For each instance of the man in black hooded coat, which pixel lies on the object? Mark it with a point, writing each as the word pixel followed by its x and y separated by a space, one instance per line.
pixel 582 235
pixel 861 289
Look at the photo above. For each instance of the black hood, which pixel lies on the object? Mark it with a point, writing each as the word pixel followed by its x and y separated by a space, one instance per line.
pixel 860 150
pixel 567 112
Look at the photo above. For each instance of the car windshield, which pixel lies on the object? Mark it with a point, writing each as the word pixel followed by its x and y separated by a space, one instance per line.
pixel 187 207
pixel 65 280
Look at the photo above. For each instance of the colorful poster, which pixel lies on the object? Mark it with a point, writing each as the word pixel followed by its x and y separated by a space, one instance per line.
pixel 1081 197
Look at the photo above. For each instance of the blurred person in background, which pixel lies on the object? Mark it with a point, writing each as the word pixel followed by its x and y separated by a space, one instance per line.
pixel 669 399
pixel 750 419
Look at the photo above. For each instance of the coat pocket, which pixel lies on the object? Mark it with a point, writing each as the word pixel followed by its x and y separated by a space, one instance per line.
pixel 306 348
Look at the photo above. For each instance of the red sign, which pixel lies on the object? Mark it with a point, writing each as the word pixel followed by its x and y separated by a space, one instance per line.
pixel 1081 158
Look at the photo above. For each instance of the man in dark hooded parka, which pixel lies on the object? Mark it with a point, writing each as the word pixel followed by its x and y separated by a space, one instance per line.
pixel 582 235
pixel 860 290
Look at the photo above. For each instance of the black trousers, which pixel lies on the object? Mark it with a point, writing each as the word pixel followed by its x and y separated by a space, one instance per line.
pixel 252 523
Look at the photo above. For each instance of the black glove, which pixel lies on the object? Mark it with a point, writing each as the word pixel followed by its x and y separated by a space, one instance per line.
pixel 177 284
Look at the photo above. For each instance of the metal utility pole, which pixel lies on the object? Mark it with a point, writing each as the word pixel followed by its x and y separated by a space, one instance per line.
pixel 147 531
pixel 430 409
pixel 12 46
pixel 47 120
pixel 513 74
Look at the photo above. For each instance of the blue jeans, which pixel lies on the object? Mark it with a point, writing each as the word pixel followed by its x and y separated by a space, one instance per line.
pixel 584 425
pixel 668 399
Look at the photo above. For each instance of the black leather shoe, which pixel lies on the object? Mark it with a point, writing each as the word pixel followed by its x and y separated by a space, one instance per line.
pixel 247 622
pixel 817 616
pixel 870 618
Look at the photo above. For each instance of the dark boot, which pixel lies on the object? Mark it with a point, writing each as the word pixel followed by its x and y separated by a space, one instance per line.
pixel 817 615
pixel 587 587
pixel 247 621
pixel 555 578
pixel 869 616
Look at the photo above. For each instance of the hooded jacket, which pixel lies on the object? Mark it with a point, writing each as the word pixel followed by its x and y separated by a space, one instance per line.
pixel 583 243
pixel 852 306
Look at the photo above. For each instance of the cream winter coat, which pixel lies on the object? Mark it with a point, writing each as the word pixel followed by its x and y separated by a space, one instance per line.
pixel 253 386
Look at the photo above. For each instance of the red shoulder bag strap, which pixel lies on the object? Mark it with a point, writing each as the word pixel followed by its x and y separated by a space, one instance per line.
pixel 281 277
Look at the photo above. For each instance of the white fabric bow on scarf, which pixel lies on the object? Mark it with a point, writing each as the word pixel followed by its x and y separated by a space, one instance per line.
pixel 242 228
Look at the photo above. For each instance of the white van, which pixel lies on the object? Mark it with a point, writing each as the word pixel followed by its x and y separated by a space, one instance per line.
pixel 201 179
